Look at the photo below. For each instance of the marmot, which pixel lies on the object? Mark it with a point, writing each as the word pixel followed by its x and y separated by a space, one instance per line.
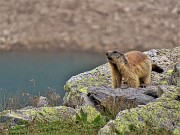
pixel 134 66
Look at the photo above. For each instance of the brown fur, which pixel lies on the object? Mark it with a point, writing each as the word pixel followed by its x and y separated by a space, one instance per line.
pixel 134 66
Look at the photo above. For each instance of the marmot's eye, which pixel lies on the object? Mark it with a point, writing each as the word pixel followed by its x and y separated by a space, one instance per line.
pixel 121 54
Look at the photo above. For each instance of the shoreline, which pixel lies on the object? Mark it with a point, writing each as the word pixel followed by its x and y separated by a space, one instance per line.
pixel 49 48
pixel 70 49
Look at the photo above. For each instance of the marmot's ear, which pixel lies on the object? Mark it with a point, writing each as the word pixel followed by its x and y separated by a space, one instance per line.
pixel 124 59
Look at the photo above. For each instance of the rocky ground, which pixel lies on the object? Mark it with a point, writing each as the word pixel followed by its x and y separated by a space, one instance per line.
pixel 158 104
pixel 95 25
pixel 155 107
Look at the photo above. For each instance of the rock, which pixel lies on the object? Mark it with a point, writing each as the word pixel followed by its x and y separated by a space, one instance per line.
pixel 49 114
pixel 162 114
pixel 175 77
pixel 108 129
pixel 158 104
pixel 92 113
pixel 77 86
pixel 113 100
pixel 39 114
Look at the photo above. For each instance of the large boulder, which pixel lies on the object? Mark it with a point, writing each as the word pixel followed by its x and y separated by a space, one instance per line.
pixel 38 114
pixel 76 87
pixel 110 101
pixel 175 77
pixel 162 114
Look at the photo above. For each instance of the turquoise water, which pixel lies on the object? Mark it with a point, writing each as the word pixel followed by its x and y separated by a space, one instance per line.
pixel 37 72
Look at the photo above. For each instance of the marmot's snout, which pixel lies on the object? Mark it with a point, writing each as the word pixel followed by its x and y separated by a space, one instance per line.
pixel 109 58
pixel 107 53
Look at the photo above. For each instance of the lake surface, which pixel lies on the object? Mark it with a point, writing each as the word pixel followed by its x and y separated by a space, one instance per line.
pixel 38 72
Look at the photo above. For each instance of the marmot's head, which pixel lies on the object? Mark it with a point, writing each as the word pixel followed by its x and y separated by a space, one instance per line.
pixel 116 57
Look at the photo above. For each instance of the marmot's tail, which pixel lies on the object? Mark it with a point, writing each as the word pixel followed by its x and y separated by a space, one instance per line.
pixel 156 68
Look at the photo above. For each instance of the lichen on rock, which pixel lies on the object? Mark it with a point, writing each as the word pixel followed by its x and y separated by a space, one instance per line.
pixel 76 86
pixel 46 114
pixel 92 113
pixel 175 75
pixel 39 114
pixel 164 113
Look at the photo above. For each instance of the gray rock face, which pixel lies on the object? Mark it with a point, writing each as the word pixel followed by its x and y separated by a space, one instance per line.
pixel 46 114
pixel 76 86
pixel 38 114
pixel 175 77
pixel 162 114
pixel 108 99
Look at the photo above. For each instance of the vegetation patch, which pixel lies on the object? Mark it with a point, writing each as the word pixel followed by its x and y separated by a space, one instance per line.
pixel 79 127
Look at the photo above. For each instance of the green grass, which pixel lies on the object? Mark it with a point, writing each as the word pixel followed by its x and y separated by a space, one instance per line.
pixel 79 127
pixel 57 128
